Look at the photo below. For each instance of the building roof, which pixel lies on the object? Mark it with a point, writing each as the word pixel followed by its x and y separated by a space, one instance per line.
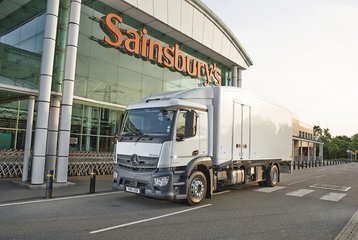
pixel 190 22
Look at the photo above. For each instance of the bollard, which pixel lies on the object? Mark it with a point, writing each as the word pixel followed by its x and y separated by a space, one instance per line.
pixel 49 184
pixel 92 182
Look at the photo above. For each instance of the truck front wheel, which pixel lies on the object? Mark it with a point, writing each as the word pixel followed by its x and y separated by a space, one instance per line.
pixel 196 188
pixel 272 178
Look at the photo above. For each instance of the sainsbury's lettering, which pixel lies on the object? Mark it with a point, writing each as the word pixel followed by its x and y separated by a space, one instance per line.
pixel 136 42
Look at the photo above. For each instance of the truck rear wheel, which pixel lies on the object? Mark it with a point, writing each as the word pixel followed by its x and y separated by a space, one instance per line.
pixel 196 188
pixel 272 178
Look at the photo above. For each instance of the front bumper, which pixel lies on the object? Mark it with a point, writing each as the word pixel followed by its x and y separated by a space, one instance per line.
pixel 144 181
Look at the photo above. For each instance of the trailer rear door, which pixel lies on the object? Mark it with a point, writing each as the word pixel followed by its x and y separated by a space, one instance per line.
pixel 241 131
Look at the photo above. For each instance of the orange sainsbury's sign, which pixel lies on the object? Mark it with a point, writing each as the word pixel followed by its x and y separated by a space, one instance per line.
pixel 136 42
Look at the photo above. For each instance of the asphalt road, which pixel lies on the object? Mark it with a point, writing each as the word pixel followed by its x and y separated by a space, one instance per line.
pixel 308 204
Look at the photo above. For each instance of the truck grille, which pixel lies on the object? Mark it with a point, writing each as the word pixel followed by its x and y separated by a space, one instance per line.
pixel 137 163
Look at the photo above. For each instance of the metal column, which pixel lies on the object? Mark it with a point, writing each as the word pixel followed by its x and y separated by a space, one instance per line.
pixel 67 96
pixel 52 133
pixel 234 76
pixel 27 151
pixel 239 79
pixel 38 163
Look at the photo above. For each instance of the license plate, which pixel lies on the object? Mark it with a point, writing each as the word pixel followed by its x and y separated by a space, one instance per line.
pixel 132 189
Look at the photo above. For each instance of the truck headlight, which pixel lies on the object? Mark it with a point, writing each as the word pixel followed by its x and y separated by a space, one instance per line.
pixel 161 181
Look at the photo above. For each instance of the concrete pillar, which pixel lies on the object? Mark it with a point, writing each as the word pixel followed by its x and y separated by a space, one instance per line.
pixel 28 137
pixel 43 105
pixel 52 133
pixel 314 152
pixel 320 156
pixel 234 76
pixel 308 152
pixel 67 95
pixel 239 78
pixel 301 151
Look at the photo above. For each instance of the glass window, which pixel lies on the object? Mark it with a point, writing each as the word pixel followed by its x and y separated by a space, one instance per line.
pixel 150 122
pixel 93 128
pixel 21 38
pixel 181 125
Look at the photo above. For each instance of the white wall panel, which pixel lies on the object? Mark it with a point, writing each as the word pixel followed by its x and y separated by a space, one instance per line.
pixel 198 25
pixel 132 2
pixel 225 47
pixel 217 39
pixel 146 6
pixel 241 62
pixel 187 18
pixel 232 52
pixel 208 32
pixel 161 10
pixel 174 13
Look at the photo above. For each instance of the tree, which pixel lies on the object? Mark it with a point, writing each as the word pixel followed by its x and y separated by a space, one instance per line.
pixel 344 138
pixel 326 135
pixel 317 132
pixel 354 142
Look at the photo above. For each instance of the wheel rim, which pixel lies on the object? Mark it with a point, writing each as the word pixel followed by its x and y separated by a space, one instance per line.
pixel 197 188
pixel 274 176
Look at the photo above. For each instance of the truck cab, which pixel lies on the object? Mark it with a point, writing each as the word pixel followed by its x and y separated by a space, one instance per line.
pixel 157 143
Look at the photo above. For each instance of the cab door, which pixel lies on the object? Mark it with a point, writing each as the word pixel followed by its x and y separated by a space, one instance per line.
pixel 186 144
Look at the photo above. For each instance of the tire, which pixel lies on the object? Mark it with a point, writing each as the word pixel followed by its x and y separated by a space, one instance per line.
pixel 273 176
pixel 262 183
pixel 196 188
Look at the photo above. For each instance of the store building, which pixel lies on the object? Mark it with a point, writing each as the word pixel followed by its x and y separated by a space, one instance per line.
pixel 69 68
pixel 305 148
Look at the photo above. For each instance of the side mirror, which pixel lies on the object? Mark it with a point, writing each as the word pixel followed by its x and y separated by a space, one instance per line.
pixel 190 122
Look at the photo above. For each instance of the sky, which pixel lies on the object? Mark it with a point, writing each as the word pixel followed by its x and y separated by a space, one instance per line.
pixel 304 53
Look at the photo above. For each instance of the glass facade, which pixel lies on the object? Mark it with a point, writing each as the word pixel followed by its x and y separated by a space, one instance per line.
pixel 13 117
pixel 93 128
pixel 104 74
pixel 21 36
pixel 110 75
pixel 22 26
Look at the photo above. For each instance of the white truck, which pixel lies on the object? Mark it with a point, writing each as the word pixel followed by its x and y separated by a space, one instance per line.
pixel 184 145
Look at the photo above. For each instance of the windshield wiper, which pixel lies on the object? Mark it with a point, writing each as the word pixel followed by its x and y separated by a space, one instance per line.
pixel 140 135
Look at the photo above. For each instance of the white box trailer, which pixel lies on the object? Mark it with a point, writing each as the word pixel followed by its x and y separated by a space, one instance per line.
pixel 183 145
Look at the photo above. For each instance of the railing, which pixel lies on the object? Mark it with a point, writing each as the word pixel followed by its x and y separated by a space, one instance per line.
pixel 319 162
pixel 80 163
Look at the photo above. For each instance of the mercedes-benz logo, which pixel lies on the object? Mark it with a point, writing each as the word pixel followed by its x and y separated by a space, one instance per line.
pixel 135 160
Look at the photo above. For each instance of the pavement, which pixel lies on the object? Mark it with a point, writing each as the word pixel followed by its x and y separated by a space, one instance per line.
pixel 13 190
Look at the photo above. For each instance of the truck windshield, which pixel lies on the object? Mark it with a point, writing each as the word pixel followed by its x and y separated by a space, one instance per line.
pixel 148 122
